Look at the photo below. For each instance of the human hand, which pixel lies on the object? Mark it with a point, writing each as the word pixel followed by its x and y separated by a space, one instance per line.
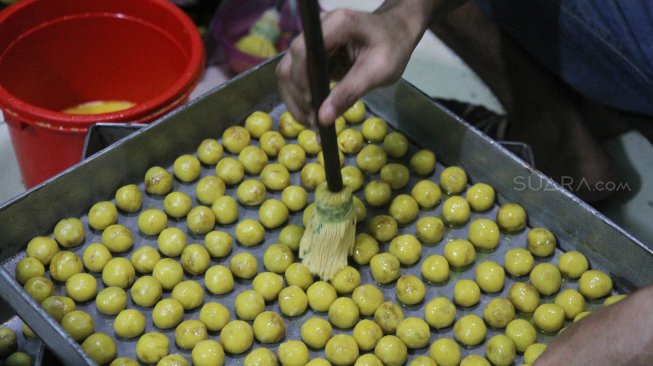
pixel 377 46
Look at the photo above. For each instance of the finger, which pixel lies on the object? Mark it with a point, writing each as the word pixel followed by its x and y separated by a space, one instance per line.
pixel 338 28
pixel 370 70
pixel 295 104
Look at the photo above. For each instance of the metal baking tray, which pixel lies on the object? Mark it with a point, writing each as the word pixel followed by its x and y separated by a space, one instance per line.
pixel 576 225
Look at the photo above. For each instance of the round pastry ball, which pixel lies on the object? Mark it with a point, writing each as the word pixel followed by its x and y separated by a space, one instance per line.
pixel 404 209
pixel 250 232
pixel 210 151
pixel 118 272
pixel 320 296
pixel 541 242
pixel 315 332
pixel 410 290
pixel 397 175
pixel 383 227
pixel 289 126
pixel 64 264
pixel 167 313
pixel 385 268
pixel 151 222
pixel 522 333
pixel 81 287
pixel 27 268
pixel 374 129
pixel 388 316
pixel 152 347
pixel 429 229
pixel 368 298
pixel 377 193
pixel 225 209
pixel 271 142
pixel 129 199
pixel 595 284
pixel 260 357
pixel 214 316
pixel 546 278
pixel 77 323
pixel 275 177
pixel 269 327
pixel 414 332
pixel 453 180
pixel 427 194
pixel 293 353
pixel 292 157
pixel 158 181
pixel 484 234
pixel 278 257
pixel 391 351
pixel 69 232
pixel 500 350
pixel 249 304
pixel 571 301
pixel 42 248
pixel 298 275
pixel 129 324
pixel 294 197
pixel 38 288
pixel 460 253
pixel 445 351
pixel 435 269
pixel 251 192
pixel 253 159
pixel 518 262
pixel 423 162
pixel 243 265
pixel 470 330
pixel 235 139
pixel 144 259
pixel 219 280
pixel 341 349
pixel 356 113
pixel 466 293
pixel 365 247
pixel 58 306
pixel 490 277
pixel 549 318
pixel 102 214
pixel 200 220
pixel 371 159
pixel 524 297
pixel 100 347
pixel 207 353
pixel 195 259
pixel 293 301
pixel 406 248
pixel 230 170
pixel 111 300
pixel 343 313
pixel 171 242
pixel 511 217
pixel 307 139
pixel 395 144
pixel 236 337
pixel 346 280
pixel 367 333
pixel 455 211
pixel 218 243
pixel 573 264
pixel 481 197
pixel 189 293
pixel 352 177
pixel 312 175
pixel 350 141
pixel 439 312
pixel 187 168
pixel 533 352
pixel 273 213
pixel 498 313
pixel 268 284
pixel 258 123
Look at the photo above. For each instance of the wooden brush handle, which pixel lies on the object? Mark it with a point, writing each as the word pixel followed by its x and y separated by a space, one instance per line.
pixel 318 78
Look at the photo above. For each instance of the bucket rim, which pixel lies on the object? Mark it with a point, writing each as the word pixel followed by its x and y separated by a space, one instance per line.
pixel 188 79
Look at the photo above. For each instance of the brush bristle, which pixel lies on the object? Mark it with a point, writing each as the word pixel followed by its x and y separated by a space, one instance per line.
pixel 330 233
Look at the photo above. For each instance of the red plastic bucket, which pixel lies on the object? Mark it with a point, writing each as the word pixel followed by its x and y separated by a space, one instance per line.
pixel 57 54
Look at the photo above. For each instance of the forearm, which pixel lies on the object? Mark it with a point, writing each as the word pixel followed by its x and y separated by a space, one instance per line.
pixel 419 14
pixel 617 335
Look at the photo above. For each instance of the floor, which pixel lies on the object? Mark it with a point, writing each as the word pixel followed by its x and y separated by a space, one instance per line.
pixel 440 73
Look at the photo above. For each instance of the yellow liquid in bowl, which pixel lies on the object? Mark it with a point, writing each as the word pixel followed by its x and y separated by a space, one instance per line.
pixel 99 107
